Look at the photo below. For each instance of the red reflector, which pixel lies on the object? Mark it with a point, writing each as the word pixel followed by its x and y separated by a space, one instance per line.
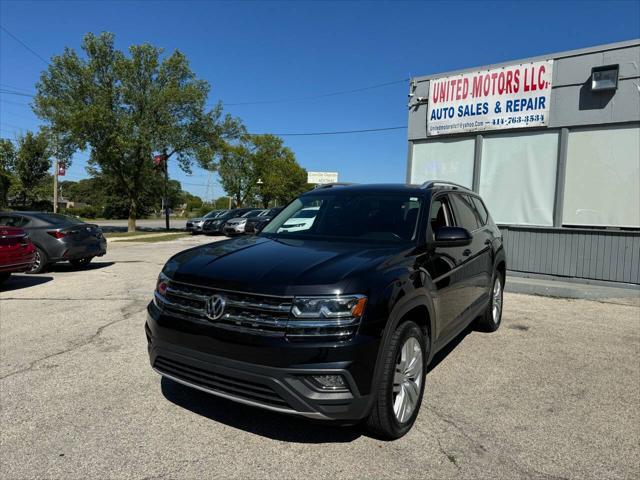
pixel 56 234
pixel 162 288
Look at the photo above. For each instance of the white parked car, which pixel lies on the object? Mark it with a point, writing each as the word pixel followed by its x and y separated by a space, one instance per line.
pixel 303 220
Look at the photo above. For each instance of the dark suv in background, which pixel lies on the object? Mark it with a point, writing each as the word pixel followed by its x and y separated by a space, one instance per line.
pixel 337 319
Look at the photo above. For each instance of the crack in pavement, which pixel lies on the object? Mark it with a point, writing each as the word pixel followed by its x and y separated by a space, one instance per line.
pixel 528 471
pixel 127 313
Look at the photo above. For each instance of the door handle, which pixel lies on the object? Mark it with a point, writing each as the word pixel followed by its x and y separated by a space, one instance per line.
pixel 487 241
pixel 466 253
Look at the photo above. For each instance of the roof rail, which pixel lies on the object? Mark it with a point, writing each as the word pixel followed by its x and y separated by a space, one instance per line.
pixel 334 184
pixel 431 183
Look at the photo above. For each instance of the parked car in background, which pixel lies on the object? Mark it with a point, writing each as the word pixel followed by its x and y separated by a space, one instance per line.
pixel 235 226
pixel 17 252
pixel 339 320
pixel 194 225
pixel 213 226
pixel 58 238
pixel 255 224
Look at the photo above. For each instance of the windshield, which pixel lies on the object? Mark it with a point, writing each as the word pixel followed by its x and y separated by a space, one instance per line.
pixel 212 214
pixel 353 216
pixel 251 213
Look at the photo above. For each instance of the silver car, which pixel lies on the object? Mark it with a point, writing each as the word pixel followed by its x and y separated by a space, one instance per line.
pixel 194 225
pixel 235 226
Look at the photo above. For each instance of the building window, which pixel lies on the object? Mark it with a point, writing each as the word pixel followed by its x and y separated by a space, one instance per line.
pixel 450 160
pixel 602 185
pixel 518 177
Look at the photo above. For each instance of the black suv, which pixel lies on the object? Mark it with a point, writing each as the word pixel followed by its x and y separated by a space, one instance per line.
pixel 337 319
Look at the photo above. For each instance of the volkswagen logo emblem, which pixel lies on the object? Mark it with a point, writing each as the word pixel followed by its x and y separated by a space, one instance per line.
pixel 214 307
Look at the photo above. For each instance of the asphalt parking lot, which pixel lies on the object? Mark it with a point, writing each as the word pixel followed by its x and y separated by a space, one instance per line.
pixel 555 393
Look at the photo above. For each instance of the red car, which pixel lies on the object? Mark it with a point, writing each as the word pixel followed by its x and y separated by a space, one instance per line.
pixel 17 253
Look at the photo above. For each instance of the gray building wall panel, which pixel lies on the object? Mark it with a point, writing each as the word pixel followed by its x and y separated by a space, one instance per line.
pixel 596 255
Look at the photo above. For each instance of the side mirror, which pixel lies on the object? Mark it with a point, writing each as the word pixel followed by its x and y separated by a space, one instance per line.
pixel 452 237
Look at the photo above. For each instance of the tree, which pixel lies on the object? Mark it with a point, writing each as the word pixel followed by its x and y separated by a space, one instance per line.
pixel 237 170
pixel 126 108
pixel 280 176
pixel 32 164
pixel 261 167
pixel 7 164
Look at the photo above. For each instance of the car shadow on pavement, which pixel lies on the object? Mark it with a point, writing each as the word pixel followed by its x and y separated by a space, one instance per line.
pixel 67 267
pixel 18 282
pixel 268 424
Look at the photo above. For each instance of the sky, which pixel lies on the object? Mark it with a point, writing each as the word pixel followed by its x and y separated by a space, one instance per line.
pixel 274 55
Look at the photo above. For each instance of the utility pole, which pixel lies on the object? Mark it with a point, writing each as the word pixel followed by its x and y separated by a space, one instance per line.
pixel 55 186
pixel 166 188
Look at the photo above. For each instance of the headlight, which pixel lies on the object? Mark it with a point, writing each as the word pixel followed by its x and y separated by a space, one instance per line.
pixel 329 307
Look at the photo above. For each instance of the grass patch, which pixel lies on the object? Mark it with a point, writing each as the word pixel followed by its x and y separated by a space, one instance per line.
pixel 157 237
pixel 133 234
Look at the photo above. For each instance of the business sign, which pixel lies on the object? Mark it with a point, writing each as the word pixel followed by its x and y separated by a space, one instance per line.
pixel 322 177
pixel 516 96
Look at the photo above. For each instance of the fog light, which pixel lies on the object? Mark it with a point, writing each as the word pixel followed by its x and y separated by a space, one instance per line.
pixel 328 382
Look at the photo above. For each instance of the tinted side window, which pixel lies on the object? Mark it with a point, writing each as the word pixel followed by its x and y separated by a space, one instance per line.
pixel 440 214
pixel 14 221
pixel 482 211
pixel 465 212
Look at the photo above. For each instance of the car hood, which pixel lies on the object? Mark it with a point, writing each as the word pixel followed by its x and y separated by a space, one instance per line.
pixel 236 219
pixel 195 220
pixel 278 267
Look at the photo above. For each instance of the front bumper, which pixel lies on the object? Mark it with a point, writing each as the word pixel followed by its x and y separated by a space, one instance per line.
pixel 193 227
pixel 273 378
pixel 233 229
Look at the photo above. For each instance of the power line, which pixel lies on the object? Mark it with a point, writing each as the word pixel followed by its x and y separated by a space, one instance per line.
pixel 24 45
pixel 338 132
pixel 323 95
pixel 10 92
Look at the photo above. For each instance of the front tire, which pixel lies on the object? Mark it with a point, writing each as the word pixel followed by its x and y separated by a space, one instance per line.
pixel 492 318
pixel 399 394
pixel 40 263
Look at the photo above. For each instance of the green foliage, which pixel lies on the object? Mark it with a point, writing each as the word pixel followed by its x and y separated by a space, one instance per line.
pixel 221 203
pixel 7 163
pixel 86 211
pixel 24 169
pixel 261 167
pixel 126 108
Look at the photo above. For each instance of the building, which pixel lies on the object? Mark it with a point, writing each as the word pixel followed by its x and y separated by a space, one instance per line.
pixel 552 143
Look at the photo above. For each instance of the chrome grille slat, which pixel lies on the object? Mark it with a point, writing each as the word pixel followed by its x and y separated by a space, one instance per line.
pixel 254 314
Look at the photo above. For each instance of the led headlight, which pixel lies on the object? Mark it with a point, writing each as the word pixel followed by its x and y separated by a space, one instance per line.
pixel 329 307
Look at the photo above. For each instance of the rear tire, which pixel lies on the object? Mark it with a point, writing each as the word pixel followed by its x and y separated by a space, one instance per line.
pixel 492 317
pixel 399 393
pixel 41 262
pixel 81 262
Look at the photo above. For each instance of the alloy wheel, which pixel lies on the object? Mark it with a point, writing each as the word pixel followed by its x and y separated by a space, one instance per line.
pixel 407 381
pixel 497 300
pixel 36 262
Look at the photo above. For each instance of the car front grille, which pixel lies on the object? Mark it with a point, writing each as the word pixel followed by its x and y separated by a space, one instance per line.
pixel 239 388
pixel 253 314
